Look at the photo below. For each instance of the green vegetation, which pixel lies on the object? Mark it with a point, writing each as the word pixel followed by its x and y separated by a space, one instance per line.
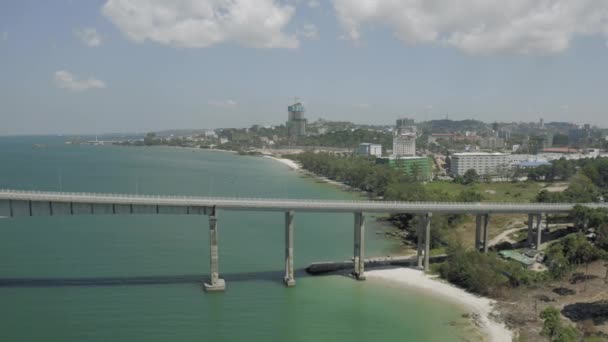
pixel 561 169
pixel 484 274
pixel 588 184
pixel 470 177
pixel 554 328
pixel 580 190
pixel 491 192
pixel 348 139
pixel 573 250
pixel 364 174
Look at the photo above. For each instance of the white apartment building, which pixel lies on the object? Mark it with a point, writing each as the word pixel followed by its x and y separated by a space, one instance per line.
pixel 367 149
pixel 482 162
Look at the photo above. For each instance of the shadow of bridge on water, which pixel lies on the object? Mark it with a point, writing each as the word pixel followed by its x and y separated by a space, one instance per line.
pixel 270 276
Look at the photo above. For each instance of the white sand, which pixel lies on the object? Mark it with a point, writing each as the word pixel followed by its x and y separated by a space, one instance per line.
pixel 482 306
pixel 292 164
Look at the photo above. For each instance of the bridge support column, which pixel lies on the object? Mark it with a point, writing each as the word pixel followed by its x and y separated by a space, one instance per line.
pixel 539 226
pixel 420 238
pixel 216 284
pixel 427 241
pixel 478 219
pixel 486 222
pixel 530 228
pixel 289 278
pixel 359 258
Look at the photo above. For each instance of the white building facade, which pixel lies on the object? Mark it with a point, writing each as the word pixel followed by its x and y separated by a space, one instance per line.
pixel 483 163
pixel 404 141
pixel 367 149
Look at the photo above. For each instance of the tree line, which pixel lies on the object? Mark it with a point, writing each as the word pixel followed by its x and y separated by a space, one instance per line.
pixel 588 180
pixel 348 139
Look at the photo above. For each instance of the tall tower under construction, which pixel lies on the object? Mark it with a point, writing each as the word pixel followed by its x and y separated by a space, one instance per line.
pixel 404 138
pixel 296 123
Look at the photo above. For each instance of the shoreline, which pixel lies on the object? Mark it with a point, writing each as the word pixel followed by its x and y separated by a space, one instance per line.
pixel 297 167
pixel 416 279
pixel 288 162
pixel 481 306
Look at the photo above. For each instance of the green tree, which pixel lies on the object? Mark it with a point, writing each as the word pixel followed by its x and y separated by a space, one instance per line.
pixel 554 328
pixel 470 177
pixel 553 323
pixel 581 190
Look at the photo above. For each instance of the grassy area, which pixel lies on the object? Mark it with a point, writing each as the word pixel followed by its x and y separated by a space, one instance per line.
pixel 493 192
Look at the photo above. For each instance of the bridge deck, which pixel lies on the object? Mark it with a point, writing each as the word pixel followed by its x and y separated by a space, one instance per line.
pixel 36 203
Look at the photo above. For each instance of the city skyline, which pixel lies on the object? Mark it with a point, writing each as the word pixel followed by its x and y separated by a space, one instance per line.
pixel 77 68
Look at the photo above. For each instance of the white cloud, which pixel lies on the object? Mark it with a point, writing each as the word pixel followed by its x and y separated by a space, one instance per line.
pixel 89 36
pixel 480 26
pixel 314 3
pixel 363 105
pixel 200 24
pixel 222 103
pixel 309 31
pixel 66 80
pixel 4 36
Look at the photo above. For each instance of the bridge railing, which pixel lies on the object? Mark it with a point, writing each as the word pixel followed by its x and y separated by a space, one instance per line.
pixel 200 200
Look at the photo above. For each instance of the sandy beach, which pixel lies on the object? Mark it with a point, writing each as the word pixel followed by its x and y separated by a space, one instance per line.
pixel 495 331
pixel 290 163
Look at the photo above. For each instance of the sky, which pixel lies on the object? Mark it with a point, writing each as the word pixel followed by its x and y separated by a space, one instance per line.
pixel 89 67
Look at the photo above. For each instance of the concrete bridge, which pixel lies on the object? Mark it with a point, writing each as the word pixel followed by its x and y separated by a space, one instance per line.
pixel 14 204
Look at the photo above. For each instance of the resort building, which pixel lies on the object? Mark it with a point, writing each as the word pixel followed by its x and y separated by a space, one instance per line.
pixel 418 166
pixel 482 162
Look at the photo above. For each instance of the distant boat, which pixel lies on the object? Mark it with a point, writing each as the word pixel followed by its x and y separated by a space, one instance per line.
pixel 39 146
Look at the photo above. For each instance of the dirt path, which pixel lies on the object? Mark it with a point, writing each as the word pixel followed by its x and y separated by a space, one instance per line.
pixel 504 236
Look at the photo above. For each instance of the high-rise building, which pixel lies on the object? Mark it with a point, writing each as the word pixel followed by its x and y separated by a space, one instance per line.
pixel 403 122
pixel 404 138
pixel 296 123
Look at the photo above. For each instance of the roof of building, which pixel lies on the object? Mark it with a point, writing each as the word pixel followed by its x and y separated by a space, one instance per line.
pixel 560 150
pixel 517 256
pixel 393 157
pixel 479 154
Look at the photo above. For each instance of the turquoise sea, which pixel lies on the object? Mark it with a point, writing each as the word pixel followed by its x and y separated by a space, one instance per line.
pixel 138 278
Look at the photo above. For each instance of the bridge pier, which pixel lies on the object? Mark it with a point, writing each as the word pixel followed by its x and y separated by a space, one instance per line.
pixel 481 232
pixel 289 278
pixel 530 228
pixel 486 222
pixel 538 233
pixel 359 255
pixel 539 226
pixel 420 238
pixel 427 241
pixel 216 284
pixel 478 220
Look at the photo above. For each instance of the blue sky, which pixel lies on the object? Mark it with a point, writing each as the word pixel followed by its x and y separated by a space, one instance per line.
pixel 135 65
